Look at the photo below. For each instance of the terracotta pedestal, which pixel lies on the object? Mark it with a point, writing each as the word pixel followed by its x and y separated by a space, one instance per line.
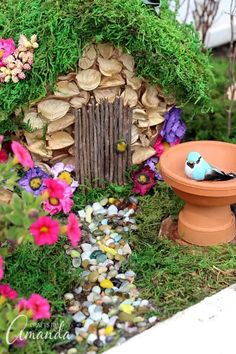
pixel 206 218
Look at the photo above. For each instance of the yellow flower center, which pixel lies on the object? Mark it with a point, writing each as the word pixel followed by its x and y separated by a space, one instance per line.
pixel 1 53
pixel 2 299
pixel 35 183
pixel 65 176
pixel 53 201
pixel 143 179
pixel 166 146
pixel 44 229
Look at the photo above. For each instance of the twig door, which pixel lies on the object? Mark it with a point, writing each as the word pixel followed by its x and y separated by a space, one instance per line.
pixel 99 128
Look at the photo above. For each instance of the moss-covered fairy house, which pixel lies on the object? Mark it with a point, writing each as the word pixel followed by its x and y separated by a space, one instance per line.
pixel 95 50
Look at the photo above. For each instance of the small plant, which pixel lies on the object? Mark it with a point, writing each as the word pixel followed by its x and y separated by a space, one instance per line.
pixel 24 220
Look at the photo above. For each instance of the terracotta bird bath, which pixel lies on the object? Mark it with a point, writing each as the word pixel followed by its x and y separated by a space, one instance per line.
pixel 206 218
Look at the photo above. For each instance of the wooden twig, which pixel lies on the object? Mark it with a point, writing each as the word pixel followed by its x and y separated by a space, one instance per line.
pixel 111 137
pixel 106 143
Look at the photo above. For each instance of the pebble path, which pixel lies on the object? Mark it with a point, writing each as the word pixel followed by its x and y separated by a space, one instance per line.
pixel 106 308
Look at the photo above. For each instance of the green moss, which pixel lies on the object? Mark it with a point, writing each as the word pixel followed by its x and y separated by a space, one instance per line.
pixel 166 52
pixel 43 270
pixel 175 277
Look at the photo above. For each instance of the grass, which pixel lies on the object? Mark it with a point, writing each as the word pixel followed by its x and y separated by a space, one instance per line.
pixel 175 277
pixel 92 195
pixel 47 271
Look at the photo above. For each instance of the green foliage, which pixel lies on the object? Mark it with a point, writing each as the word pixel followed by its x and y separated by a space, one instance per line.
pixel 11 324
pixel 213 125
pixel 175 277
pixel 46 270
pixel 81 199
pixel 165 51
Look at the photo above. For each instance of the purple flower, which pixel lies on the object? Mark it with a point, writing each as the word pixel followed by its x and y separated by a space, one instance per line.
pixel 64 172
pixel 153 164
pixel 174 128
pixel 33 180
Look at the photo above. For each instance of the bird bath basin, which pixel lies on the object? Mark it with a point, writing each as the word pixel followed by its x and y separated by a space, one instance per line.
pixel 206 218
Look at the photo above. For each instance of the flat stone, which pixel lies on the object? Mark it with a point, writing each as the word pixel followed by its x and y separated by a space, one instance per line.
pixel 93 276
pixel 79 316
pixel 96 206
pixel 112 210
pixel 86 247
pixel 75 254
pixel 82 214
pixel 106 284
pixel 91 338
pixel 72 351
pixel 152 319
pixel 96 289
pixel 68 296
pixel 104 202
pixel 78 290
pixel 88 211
pixel 76 262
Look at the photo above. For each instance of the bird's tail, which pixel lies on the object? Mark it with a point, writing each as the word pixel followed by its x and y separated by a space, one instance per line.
pixel 217 175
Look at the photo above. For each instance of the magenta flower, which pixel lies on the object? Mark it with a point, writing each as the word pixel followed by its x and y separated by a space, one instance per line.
pixel 7 292
pixel 1 268
pixel 54 205
pixel 144 180
pixel 73 230
pixel 174 128
pixel 39 306
pixel 7 47
pixel 45 231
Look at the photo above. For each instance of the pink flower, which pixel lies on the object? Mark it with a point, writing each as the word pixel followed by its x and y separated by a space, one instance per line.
pixel 7 47
pixel 73 230
pixel 22 155
pixel 45 231
pixel 39 306
pixel 144 180
pixel 160 146
pixel 22 305
pixel 7 292
pixel 54 205
pixel 3 156
pixel 1 138
pixel 1 268
pixel 55 188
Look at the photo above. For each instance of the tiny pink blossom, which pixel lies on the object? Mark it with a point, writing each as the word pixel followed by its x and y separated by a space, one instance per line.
pixel 22 305
pixel 73 230
pixel 7 47
pixel 21 76
pixel 53 205
pixel 1 268
pixel 40 307
pixel 7 292
pixel 22 155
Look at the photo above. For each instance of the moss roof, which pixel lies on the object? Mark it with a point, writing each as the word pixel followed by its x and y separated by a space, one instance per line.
pixel 165 51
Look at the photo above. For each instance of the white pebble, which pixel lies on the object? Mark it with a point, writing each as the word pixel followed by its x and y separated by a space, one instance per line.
pixel 91 338
pixel 112 210
pixel 86 247
pixel 79 316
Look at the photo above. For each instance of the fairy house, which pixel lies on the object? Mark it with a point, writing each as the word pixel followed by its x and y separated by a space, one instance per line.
pixel 115 69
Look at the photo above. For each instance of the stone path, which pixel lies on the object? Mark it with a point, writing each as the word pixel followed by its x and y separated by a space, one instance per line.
pixel 205 328
pixel 106 308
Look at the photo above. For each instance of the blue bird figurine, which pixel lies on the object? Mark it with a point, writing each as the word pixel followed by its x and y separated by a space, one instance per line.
pixel 200 170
